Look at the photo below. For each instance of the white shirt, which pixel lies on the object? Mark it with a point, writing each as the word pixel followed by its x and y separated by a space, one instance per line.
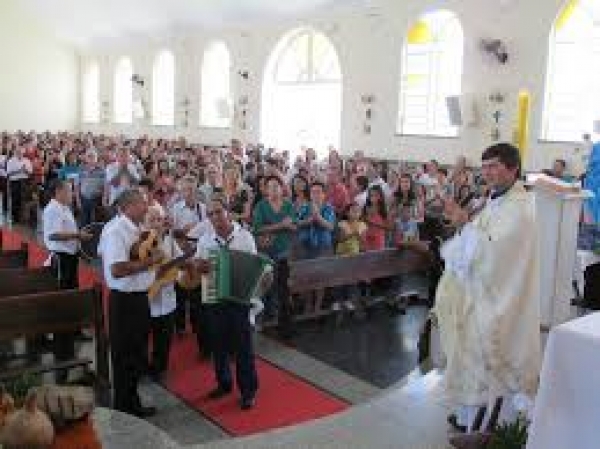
pixel 240 240
pixel 183 215
pixel 361 199
pixel 104 232
pixel 115 247
pixel 14 165
pixel 165 301
pixel 58 218
pixel 111 172
pixel 3 160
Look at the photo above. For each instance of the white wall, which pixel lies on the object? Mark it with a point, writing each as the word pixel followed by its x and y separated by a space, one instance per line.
pixel 370 49
pixel 38 75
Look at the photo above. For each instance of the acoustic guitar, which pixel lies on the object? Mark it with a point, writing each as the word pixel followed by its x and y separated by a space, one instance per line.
pixel 189 279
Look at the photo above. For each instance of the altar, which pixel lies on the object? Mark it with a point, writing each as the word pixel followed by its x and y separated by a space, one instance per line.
pixel 567 405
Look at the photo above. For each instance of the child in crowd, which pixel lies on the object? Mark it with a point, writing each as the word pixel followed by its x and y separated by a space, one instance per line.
pixel 406 229
pixel 350 234
pixel 376 218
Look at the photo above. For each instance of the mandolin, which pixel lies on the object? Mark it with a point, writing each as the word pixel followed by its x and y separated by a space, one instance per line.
pixel 169 272
pixel 148 244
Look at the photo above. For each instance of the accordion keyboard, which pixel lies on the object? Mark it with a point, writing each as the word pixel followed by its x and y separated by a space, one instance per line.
pixel 209 281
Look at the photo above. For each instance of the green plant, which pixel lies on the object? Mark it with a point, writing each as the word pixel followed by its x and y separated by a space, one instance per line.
pixel 511 435
pixel 20 386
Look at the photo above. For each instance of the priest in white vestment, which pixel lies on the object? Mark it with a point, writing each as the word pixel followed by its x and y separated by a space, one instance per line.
pixel 487 302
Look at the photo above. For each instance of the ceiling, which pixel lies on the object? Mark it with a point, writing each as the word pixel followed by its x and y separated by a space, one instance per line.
pixel 88 23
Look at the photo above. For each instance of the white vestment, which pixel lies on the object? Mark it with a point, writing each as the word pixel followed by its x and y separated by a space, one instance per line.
pixel 487 303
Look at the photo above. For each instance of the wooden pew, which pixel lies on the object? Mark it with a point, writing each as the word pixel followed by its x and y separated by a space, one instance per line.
pixel 15 258
pixel 32 304
pixel 301 276
pixel 24 281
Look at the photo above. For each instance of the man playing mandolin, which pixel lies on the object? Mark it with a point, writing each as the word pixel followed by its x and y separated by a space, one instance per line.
pixel 132 263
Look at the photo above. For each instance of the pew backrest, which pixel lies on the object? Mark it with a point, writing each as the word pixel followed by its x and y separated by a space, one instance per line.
pixel 15 258
pixel 24 281
pixel 323 272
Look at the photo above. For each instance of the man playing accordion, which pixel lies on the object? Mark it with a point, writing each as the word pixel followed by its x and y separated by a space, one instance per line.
pixel 228 321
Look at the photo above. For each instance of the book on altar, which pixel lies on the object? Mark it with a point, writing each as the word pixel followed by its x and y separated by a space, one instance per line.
pixel 554 184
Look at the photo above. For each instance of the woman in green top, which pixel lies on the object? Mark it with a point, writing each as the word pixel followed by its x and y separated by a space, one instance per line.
pixel 274 221
pixel 274 226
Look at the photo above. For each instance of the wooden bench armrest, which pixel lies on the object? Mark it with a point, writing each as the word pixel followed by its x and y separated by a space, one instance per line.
pixel 41 368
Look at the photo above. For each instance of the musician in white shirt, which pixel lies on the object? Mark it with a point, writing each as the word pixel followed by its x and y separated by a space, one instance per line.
pixel 18 170
pixel 61 235
pixel 189 222
pixel 61 238
pixel 230 326
pixel 162 306
pixel 129 314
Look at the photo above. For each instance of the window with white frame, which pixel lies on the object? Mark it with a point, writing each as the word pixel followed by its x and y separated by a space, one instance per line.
pixel 431 71
pixel 572 101
pixel 302 94
pixel 215 90
pixel 163 89
pixel 91 93
pixel 123 91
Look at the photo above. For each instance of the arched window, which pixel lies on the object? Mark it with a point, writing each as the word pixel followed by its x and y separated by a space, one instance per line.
pixel 302 93
pixel 163 89
pixel 432 64
pixel 572 88
pixel 123 95
pixel 215 91
pixel 91 93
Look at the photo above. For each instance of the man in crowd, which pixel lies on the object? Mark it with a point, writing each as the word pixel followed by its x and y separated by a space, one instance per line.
pixel 120 176
pixel 90 188
pixel 19 171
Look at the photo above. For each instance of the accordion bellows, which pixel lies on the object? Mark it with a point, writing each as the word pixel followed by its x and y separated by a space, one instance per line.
pixel 234 276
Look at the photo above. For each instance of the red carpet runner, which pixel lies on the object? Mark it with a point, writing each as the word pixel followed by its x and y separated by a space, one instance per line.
pixel 283 399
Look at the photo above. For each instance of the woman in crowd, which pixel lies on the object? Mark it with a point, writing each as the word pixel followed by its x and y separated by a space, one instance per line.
pixel 238 195
pixel 274 226
pixel 375 215
pixel 300 192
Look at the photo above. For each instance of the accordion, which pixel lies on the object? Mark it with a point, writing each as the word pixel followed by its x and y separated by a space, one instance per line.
pixel 234 276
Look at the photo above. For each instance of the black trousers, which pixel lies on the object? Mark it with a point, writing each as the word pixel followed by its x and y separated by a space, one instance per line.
pixel 162 332
pixel 198 317
pixel 65 267
pixel 16 198
pixel 181 312
pixel 129 324
pixel 232 334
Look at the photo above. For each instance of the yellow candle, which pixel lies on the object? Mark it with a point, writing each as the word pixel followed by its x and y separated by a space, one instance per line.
pixel 522 131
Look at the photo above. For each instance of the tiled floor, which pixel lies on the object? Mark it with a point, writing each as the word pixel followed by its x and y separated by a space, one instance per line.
pixel 380 349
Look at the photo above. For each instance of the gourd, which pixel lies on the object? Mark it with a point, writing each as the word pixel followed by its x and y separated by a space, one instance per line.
pixel 28 427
